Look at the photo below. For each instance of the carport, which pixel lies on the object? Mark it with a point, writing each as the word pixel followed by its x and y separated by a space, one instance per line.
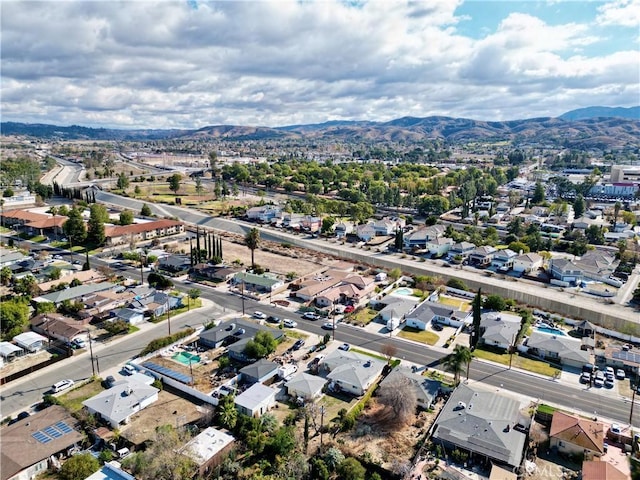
pixel 9 351
pixel 30 341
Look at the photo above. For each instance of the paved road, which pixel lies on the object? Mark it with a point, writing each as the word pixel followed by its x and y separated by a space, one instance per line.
pixel 22 394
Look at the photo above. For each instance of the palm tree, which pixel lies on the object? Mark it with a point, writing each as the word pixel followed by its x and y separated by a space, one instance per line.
pixel 616 212
pixel 54 211
pixel 457 361
pixel 252 239
pixel 228 415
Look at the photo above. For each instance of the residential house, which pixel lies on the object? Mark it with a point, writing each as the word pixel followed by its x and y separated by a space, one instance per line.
pixel 482 256
pixel 483 423
pixel 439 246
pixel 110 471
pixel 527 262
pixel 264 213
pixel 232 331
pixel 85 277
pixel 102 303
pixel 259 372
pixel 310 223
pixel 564 270
pixel 503 258
pixel 157 304
pixel 305 386
pixel 292 220
pixel 130 315
pixel 307 289
pixel 366 232
pixel 9 351
pixel 562 349
pixel 499 329
pixel 352 372
pixel 30 341
pixel 426 390
pixel 256 400
pixel 461 250
pixel 596 265
pixel 258 283
pixel 601 470
pixel 10 257
pixel 208 449
pixel 79 293
pixel 418 239
pixel 58 326
pixel 352 290
pixel 624 358
pixel 175 264
pixel 19 218
pixel 119 403
pixel 29 445
pixel 395 308
pixel 343 229
pixel 218 273
pixel 576 435
pixel 137 232
pixel 429 312
pixel 388 225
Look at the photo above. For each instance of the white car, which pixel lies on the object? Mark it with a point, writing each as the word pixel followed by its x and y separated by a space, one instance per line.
pixel 345 346
pixel 62 385
pixel 289 323
pixel 328 326
pixel 259 315
pixel 310 316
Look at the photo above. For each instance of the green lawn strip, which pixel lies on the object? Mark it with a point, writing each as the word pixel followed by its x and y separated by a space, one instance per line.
pixel 364 316
pixel 536 366
pixel 5 230
pixel 422 336
pixel 78 248
pixel 133 329
pixel 197 303
pixel 72 401
pixel 38 238
pixel 369 354
pixel 294 334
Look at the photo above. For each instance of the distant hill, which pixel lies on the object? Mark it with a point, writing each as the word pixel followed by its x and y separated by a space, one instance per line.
pixel 602 132
pixel 602 112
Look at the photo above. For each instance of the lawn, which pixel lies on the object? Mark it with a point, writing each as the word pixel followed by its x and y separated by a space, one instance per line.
pixel 333 405
pixel 363 316
pixel 422 336
pixel 197 303
pixel 460 304
pixel 72 401
pixel 536 366
pixel 5 230
pixel 373 355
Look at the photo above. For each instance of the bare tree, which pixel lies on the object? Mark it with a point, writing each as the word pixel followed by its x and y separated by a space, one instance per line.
pixel 389 350
pixel 398 394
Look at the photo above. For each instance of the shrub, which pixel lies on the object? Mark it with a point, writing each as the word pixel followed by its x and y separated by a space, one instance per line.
pixel 162 342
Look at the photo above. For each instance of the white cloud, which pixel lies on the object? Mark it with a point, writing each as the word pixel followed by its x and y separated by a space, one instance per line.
pixel 625 13
pixel 166 64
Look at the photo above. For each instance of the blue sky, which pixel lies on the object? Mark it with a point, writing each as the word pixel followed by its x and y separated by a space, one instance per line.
pixel 192 63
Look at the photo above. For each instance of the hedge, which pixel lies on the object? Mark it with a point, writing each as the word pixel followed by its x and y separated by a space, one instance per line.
pixel 162 342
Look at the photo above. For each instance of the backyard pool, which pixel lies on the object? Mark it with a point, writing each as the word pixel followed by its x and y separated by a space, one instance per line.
pixel 186 358
pixel 552 331
pixel 404 291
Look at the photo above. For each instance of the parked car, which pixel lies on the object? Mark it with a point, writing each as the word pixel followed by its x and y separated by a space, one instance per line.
pixel 349 309
pixel 310 316
pixel 298 345
pixel 79 343
pixel 128 369
pixel 62 385
pixel 615 428
pixel 272 319
pixel 345 346
pixel 585 377
pixel 620 375
pixel 599 380
pixel 109 381
pixel 21 416
pixel 259 315
pixel 328 326
pixel 289 323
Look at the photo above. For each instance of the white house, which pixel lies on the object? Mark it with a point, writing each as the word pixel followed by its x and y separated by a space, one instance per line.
pixel 265 213
pixel 437 247
pixel 366 232
pixel 503 258
pixel 305 386
pixel 208 449
pixel 343 229
pixel 499 329
pixel 352 372
pixel 428 312
pixel 256 400
pixel 117 404
pixel 30 341
pixel 563 349
pixel 527 262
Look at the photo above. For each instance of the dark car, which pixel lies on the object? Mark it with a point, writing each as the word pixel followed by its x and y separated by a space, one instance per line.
pixel 109 381
pixel 298 345
pixel 272 319
pixel 21 416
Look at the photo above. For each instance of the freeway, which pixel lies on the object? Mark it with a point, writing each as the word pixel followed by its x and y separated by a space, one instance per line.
pixel 597 402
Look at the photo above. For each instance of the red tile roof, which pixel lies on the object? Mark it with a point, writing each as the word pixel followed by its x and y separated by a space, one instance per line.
pixel 120 230
pixel 599 470
pixel 578 431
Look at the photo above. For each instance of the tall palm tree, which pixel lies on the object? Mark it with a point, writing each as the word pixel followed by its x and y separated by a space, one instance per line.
pixel 252 239
pixel 457 361
pixel 616 212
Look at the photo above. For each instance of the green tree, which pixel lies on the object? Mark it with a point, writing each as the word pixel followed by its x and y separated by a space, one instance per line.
pixel 194 293
pixel 174 182
pixel 45 307
pixel 79 467
pixel 351 469
pixel 15 315
pixel 8 192
pixel 55 273
pixel 281 443
pixel 398 240
pixel 494 302
pixel 260 346
pixel 145 211
pixel 579 206
pixel 333 457
pixel 5 276
pixel 74 227
pixel 538 194
pixel 477 317
pixel 95 225
pixel 457 284
pixel 616 213
pixel 319 470
pixel 122 182
pixel 327 224
pixel 27 285
pixel 457 361
pixel 226 412
pixel 199 187
pixel 252 240
pixel 126 217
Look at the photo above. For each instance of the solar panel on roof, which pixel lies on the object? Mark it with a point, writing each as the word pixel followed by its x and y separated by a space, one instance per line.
pixel 41 437
pixel 627 356
pixel 181 377
pixel 52 432
pixel 63 427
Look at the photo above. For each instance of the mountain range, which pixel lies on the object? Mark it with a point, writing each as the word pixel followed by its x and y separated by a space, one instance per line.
pixel 592 127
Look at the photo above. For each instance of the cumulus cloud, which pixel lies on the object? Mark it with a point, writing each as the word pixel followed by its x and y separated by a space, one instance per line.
pixel 625 13
pixel 170 64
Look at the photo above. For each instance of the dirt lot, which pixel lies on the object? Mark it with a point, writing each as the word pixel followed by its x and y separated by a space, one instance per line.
pixel 170 409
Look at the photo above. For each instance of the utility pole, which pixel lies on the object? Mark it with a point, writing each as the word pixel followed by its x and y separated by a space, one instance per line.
pixel 511 348
pixel 141 269
pixel 322 410
pixel 168 315
pixel 242 294
pixel 633 398
pixel 93 368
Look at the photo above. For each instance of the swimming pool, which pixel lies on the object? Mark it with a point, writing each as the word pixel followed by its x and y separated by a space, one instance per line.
pixel 186 358
pixel 404 291
pixel 552 331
